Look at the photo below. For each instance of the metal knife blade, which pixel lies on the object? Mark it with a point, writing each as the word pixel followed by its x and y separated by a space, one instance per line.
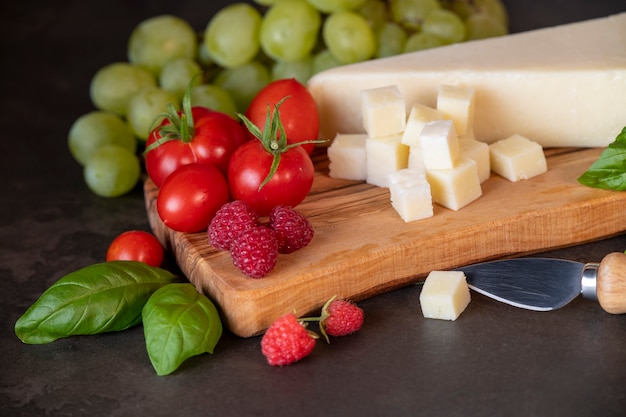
pixel 539 284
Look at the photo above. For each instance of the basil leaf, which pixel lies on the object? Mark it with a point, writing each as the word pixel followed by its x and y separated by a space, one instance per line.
pixel 609 170
pixel 98 298
pixel 179 323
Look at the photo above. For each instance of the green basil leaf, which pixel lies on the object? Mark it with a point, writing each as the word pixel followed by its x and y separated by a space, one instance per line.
pixel 98 298
pixel 609 170
pixel 179 323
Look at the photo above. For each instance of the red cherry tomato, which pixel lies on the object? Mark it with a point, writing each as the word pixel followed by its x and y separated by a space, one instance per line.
pixel 298 113
pixel 290 184
pixel 214 139
pixel 136 245
pixel 190 197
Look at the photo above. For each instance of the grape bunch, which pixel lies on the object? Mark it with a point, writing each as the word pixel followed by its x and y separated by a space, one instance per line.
pixel 243 47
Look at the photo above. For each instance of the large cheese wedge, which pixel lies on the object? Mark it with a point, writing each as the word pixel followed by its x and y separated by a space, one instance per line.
pixel 561 86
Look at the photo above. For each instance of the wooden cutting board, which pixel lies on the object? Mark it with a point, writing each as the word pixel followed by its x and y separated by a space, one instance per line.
pixel 362 248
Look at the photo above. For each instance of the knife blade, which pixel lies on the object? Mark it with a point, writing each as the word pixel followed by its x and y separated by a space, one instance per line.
pixel 544 284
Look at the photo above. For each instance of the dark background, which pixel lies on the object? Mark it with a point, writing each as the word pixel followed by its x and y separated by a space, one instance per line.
pixel 494 360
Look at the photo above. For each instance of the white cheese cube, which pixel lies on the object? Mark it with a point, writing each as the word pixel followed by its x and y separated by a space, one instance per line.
pixel 384 155
pixel 517 158
pixel 445 295
pixel 457 103
pixel 440 144
pixel 384 111
pixel 416 159
pixel 479 152
pixel 455 188
pixel 346 156
pixel 418 117
pixel 410 194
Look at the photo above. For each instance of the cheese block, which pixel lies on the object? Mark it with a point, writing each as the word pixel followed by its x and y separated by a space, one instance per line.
pixel 561 86
pixel 445 295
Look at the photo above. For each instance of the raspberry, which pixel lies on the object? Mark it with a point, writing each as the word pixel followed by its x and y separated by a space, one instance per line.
pixel 340 318
pixel 293 230
pixel 230 220
pixel 287 341
pixel 255 251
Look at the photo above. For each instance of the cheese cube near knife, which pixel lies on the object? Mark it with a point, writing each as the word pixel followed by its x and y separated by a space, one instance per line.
pixel 445 295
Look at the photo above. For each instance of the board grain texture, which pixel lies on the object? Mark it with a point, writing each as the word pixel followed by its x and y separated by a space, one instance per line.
pixel 362 248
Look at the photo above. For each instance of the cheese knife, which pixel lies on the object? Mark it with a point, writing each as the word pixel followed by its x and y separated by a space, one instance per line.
pixel 544 284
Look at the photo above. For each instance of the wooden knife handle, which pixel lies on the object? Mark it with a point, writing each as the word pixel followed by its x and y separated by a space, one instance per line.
pixel 611 283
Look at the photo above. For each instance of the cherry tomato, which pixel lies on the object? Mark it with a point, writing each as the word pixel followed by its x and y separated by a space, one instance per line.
pixel 214 138
pixel 289 185
pixel 190 197
pixel 298 113
pixel 136 245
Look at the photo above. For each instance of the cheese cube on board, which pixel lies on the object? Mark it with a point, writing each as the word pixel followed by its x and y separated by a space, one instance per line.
pixel 517 158
pixel 457 103
pixel 384 155
pixel 416 158
pixel 410 194
pixel 445 295
pixel 479 152
pixel 562 86
pixel 440 144
pixel 455 188
pixel 346 157
pixel 418 117
pixel 384 111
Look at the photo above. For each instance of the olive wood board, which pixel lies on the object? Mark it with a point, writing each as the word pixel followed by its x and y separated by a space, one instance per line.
pixel 362 247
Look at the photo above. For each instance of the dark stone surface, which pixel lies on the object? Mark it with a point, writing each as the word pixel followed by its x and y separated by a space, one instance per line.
pixel 494 360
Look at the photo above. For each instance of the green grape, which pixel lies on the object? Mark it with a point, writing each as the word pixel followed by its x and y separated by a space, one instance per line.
pixel 244 82
pixel 95 129
pixel 203 57
pixel 289 30
pixel 482 25
pixel 348 37
pixel 213 97
pixel 178 74
pixel 232 35
pixel 112 171
pixel 160 39
pixel 411 13
pixel 420 41
pixel 375 13
pixel 113 84
pixel 301 70
pixel 324 60
pixel 331 6
pixel 144 108
pixel 390 40
pixel 444 24
pixel 466 8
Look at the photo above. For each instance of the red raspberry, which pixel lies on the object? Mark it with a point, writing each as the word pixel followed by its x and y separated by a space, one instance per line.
pixel 293 230
pixel 287 341
pixel 255 251
pixel 340 318
pixel 230 220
